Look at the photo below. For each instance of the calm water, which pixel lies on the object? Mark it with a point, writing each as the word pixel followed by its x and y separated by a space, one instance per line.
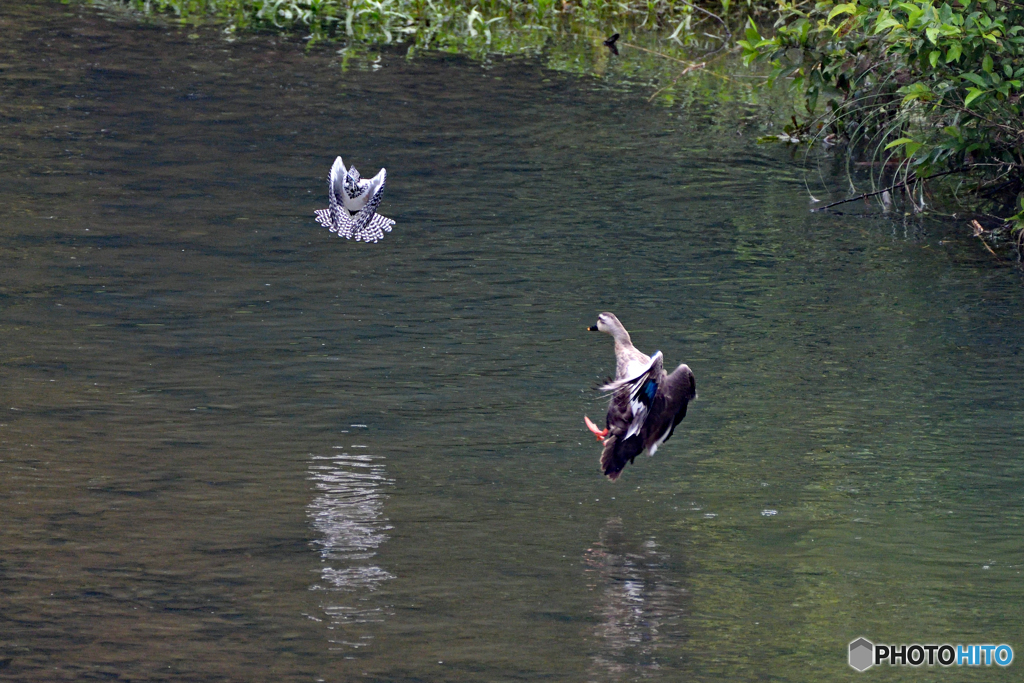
pixel 235 447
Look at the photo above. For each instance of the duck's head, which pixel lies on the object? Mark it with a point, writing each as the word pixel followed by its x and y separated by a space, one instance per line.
pixel 607 322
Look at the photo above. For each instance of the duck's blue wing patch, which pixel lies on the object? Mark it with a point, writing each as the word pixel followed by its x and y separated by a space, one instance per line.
pixel 648 390
pixel 642 391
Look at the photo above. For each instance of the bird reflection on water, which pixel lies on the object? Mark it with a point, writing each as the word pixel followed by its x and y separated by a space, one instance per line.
pixel 348 515
pixel 639 608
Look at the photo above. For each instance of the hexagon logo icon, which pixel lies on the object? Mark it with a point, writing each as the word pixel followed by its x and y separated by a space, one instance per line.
pixel 862 654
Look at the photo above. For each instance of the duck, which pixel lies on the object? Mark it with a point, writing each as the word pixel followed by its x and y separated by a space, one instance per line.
pixel 352 212
pixel 647 404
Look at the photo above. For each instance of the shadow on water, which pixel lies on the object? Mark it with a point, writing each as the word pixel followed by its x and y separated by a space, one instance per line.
pixel 640 606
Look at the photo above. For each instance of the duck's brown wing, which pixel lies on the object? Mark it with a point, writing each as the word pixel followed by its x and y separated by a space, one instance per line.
pixel 664 412
pixel 669 407
pixel 640 390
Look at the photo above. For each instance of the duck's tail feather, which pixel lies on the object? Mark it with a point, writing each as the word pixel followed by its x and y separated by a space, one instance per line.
pixel 374 230
pixel 617 453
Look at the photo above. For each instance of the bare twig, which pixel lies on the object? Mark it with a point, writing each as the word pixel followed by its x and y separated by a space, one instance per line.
pixel 908 181
pixel 682 73
pixel 655 52
pixel 979 232
pixel 1017 133
pixel 690 66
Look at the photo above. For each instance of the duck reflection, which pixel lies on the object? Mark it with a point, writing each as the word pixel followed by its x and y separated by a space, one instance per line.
pixel 348 515
pixel 639 606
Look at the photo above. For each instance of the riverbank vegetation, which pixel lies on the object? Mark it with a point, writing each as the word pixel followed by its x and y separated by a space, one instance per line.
pixel 466 26
pixel 922 90
pixel 925 94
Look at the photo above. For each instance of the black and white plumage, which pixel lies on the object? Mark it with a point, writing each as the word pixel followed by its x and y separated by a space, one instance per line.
pixel 352 212
pixel 647 404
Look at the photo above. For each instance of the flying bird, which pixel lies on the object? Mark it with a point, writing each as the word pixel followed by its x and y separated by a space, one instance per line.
pixel 352 212
pixel 646 403
pixel 611 44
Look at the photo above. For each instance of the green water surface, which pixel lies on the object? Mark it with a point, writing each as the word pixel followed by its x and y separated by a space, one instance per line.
pixel 234 447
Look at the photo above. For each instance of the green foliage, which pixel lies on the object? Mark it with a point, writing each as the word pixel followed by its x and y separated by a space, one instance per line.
pixel 1017 221
pixel 929 86
pixel 473 27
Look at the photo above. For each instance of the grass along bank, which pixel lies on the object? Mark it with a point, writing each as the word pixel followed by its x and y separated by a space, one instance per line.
pixel 474 28
pixel 678 51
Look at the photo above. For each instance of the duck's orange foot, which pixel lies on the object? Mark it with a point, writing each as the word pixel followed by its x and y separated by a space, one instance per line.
pixel 599 433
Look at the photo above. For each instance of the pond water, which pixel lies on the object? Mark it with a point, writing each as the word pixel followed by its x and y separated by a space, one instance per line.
pixel 236 447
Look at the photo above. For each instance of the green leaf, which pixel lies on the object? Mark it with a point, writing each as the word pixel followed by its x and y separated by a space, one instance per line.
pixel 896 143
pixel 954 52
pixel 847 8
pixel 917 91
pixel 986 64
pixel 885 20
pixel 933 58
pixel 753 35
pixel 913 13
pixel 972 94
pixel 933 34
pixel 909 145
pixel 975 79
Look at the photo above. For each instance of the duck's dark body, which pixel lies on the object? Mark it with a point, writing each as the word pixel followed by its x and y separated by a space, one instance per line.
pixel 667 409
pixel 646 405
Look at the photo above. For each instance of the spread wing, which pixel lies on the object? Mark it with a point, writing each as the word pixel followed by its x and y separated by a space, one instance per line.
pixel 677 390
pixel 336 182
pixel 641 390
pixel 335 217
pixel 366 225
pixel 681 383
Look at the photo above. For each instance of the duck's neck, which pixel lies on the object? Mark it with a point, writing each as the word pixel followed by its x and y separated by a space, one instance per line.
pixel 622 340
